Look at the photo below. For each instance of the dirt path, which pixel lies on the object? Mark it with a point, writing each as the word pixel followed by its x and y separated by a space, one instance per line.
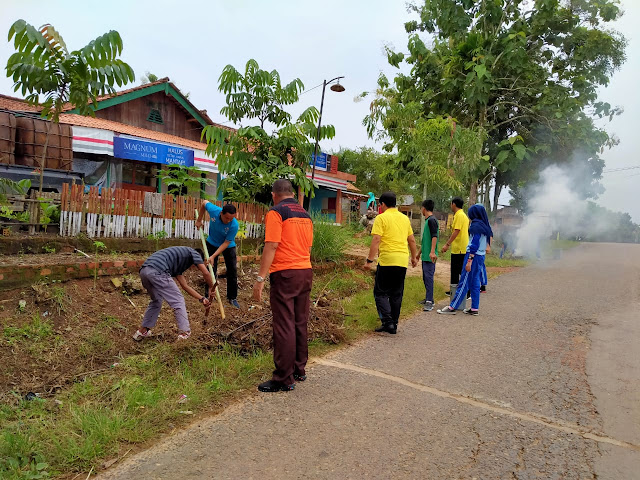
pixel 544 384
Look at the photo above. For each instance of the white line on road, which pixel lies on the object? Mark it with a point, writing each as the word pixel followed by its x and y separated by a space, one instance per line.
pixel 557 424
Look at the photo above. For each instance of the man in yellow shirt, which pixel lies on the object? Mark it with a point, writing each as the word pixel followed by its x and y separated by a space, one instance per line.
pixel 392 239
pixel 458 241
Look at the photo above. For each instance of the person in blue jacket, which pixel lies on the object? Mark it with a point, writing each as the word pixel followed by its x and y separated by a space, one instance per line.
pixel 479 234
pixel 223 229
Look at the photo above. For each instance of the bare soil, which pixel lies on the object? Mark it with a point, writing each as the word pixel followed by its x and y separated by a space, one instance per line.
pixel 64 258
pixel 68 331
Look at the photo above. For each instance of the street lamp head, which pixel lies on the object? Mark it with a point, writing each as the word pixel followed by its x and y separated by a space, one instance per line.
pixel 337 87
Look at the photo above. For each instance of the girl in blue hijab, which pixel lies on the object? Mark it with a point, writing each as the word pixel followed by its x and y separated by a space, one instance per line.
pixel 479 234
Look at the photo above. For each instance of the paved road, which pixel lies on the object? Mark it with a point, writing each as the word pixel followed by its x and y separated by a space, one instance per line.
pixel 545 383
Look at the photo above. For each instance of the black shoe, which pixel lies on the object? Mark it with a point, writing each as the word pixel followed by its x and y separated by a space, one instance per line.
pixel 299 378
pixel 387 327
pixel 468 311
pixel 273 386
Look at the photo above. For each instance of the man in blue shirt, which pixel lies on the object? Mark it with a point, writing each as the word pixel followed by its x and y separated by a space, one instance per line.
pixel 223 228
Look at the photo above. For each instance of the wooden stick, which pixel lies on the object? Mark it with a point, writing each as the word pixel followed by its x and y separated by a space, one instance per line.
pixel 213 276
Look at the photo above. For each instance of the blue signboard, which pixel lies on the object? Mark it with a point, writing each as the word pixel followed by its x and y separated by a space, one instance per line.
pixel 321 162
pixel 152 152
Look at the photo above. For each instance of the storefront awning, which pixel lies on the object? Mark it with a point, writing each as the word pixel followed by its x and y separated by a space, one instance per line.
pixel 98 141
pixel 329 182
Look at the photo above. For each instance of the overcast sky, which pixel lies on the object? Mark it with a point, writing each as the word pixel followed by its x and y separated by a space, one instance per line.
pixel 191 42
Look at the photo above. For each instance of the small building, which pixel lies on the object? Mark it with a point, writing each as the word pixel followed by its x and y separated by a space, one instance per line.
pixel 333 185
pixel 506 219
pixel 138 132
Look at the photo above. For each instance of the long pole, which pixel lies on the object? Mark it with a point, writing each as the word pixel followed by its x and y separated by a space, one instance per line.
pixel 315 150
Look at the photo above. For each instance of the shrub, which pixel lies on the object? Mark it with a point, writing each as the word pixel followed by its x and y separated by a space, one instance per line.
pixel 329 241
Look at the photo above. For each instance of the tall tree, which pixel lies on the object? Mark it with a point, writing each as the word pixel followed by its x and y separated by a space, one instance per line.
pixel 524 73
pixel 49 75
pixel 251 158
pixel 148 77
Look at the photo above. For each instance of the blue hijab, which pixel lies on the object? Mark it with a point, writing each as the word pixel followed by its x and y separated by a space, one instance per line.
pixel 479 221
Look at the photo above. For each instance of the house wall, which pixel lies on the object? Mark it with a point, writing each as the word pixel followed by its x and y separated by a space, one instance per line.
pixel 319 203
pixel 135 112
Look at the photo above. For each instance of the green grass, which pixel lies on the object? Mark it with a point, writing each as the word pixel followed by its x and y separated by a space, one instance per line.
pixel 329 241
pixel 35 331
pixel 139 399
pixel 362 316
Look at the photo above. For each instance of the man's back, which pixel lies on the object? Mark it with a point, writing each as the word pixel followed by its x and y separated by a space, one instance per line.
pixel 288 224
pixel 173 260
pixel 460 222
pixel 394 229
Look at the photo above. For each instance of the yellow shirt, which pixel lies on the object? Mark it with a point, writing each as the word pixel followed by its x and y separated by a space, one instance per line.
pixel 460 222
pixel 394 228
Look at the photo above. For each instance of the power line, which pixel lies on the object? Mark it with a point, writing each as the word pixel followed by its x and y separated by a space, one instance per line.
pixel 611 170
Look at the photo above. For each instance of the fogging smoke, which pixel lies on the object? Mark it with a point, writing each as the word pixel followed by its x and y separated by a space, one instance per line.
pixel 554 206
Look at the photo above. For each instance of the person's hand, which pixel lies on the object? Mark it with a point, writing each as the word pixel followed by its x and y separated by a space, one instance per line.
pixel 445 248
pixel 433 257
pixel 367 265
pixel 198 224
pixel 414 262
pixel 468 267
pixel 257 291
pixel 206 302
pixel 212 258
pixel 488 248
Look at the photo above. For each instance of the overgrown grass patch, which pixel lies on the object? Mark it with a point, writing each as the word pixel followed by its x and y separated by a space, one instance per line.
pixel 140 398
pixel 329 241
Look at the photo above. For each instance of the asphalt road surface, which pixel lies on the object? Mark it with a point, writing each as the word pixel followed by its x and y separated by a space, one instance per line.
pixel 544 384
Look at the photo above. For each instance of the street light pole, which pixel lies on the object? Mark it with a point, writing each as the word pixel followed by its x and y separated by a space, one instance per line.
pixel 335 88
pixel 315 150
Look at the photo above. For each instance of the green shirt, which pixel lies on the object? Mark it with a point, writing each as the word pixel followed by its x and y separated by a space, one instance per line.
pixel 431 230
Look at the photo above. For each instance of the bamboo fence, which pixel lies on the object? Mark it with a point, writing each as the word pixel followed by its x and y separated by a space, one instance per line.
pixel 119 213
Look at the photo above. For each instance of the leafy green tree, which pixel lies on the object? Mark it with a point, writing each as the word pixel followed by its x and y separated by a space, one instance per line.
pixel 49 75
pixel 375 171
pixel 524 74
pixel 149 77
pixel 183 180
pixel 251 158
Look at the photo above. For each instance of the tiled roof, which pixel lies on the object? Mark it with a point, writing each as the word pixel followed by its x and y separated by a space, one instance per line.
pixel 68 106
pixel 20 105
pixel 91 122
pixel 16 104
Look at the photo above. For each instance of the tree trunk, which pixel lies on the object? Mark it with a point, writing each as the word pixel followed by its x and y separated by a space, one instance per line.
pixel 487 197
pixel 44 156
pixel 42 165
pixel 496 195
pixel 473 193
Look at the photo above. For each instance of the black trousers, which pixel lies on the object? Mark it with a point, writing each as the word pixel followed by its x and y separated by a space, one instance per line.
pixel 457 263
pixel 388 291
pixel 231 262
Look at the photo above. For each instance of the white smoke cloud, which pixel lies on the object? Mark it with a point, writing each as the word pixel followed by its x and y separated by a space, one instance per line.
pixel 554 206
